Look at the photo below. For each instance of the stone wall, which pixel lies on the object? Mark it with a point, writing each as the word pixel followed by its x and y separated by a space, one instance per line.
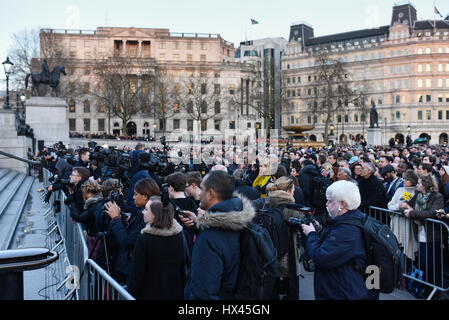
pixel 11 143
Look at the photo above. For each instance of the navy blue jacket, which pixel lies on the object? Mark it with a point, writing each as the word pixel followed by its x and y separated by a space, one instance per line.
pixel 216 254
pixel 247 191
pixel 334 254
pixel 121 239
pixel 141 174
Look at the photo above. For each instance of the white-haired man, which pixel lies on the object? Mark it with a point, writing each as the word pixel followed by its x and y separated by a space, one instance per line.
pixel 339 252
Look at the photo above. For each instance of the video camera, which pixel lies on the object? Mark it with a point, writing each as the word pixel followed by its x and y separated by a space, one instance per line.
pixel 156 163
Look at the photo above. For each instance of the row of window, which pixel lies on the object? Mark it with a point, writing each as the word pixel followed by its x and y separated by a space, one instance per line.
pixel 204 107
pixel 176 125
pixel 176 57
pixel 428 68
pixel 371 56
pixel 176 45
pixel 428 83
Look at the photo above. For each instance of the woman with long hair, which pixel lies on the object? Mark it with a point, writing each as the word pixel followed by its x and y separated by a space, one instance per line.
pixel 158 265
pixel 280 205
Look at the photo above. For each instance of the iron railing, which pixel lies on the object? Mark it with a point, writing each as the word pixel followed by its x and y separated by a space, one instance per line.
pixel 425 245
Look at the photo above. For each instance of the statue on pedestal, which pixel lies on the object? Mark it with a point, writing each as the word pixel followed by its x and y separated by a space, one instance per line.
pixel 373 117
pixel 45 77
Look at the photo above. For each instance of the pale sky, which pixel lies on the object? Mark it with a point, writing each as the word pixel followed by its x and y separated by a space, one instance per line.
pixel 229 18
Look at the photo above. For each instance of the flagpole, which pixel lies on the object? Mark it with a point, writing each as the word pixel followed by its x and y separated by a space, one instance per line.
pixel 434 19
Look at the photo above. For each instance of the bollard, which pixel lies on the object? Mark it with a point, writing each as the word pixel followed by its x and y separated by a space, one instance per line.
pixel 12 265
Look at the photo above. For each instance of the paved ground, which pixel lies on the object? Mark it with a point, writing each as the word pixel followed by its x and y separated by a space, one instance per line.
pixel 306 290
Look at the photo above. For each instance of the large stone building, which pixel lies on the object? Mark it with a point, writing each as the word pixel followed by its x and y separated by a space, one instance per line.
pixel 405 63
pixel 181 55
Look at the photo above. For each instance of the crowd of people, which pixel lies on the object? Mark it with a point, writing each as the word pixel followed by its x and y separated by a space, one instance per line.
pixel 188 247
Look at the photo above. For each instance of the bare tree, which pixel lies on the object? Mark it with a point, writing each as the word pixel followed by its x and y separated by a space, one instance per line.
pixel 198 97
pixel 332 91
pixel 166 96
pixel 30 47
pixel 121 85
pixel 25 47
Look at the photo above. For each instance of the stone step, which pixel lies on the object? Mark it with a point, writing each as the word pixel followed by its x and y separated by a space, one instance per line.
pixel 6 179
pixel 13 198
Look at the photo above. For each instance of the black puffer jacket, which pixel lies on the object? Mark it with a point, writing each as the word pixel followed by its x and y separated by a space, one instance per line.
pixel 372 192
pixel 306 182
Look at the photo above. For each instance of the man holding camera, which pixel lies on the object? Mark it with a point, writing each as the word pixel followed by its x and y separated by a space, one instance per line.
pixel 78 176
pixel 339 252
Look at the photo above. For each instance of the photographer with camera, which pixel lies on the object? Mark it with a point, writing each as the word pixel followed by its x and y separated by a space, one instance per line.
pixel 123 232
pixel 75 200
pixel 93 206
pixel 62 177
pixel 339 252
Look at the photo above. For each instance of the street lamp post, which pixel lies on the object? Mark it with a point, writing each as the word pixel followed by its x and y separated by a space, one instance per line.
pixel 331 136
pixel 7 66
pixel 23 99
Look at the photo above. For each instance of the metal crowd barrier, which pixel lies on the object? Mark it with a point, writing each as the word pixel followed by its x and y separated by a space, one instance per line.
pixel 89 279
pixel 425 245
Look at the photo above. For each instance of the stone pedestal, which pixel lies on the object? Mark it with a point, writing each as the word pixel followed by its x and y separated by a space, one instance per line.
pixel 48 118
pixel 374 136
pixel 11 143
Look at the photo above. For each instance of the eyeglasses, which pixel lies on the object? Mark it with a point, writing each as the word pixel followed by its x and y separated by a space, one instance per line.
pixel 74 175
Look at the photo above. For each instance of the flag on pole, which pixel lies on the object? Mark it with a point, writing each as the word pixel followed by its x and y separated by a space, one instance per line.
pixel 254 21
pixel 438 12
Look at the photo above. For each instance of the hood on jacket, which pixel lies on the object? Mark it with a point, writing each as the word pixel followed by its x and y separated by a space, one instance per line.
pixel 233 214
pixel 310 168
pixel 61 166
pixel 92 201
pixel 174 230
pixel 279 197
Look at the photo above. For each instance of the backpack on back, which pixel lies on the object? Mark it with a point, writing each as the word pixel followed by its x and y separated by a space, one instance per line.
pixel 258 264
pixel 382 249
pixel 272 220
pixel 319 187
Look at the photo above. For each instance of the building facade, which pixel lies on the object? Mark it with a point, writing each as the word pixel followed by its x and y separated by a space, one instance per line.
pixel 265 55
pixel 180 55
pixel 405 66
